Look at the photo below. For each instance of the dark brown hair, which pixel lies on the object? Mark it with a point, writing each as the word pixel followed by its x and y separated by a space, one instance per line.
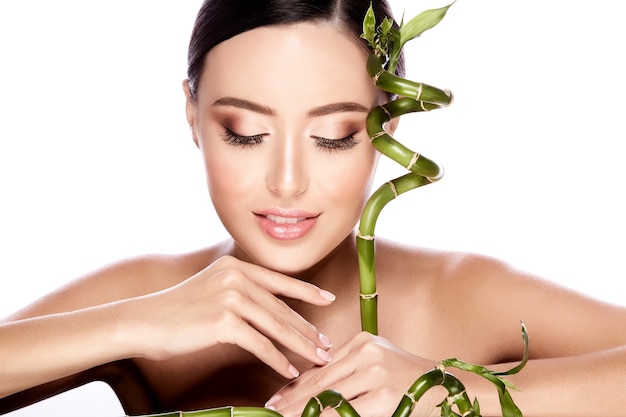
pixel 219 20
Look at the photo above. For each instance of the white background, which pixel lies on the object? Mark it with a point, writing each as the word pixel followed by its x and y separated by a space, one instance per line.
pixel 97 164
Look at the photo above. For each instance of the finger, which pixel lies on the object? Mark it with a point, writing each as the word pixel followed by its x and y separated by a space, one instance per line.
pixel 278 325
pixel 269 314
pixel 292 399
pixel 287 286
pixel 282 311
pixel 345 374
pixel 261 347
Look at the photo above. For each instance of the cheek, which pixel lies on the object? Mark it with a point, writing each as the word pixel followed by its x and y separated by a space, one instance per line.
pixel 349 182
pixel 228 178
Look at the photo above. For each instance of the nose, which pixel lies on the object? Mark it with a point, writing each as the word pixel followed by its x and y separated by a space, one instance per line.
pixel 287 175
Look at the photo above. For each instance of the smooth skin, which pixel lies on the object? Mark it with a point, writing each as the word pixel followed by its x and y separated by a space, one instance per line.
pixel 279 119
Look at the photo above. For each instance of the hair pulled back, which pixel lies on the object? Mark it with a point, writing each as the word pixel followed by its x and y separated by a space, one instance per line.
pixel 219 20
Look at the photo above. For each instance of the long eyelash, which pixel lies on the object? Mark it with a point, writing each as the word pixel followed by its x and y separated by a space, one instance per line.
pixel 331 145
pixel 236 139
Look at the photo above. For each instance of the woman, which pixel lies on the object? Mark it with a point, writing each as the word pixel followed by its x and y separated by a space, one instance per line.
pixel 276 105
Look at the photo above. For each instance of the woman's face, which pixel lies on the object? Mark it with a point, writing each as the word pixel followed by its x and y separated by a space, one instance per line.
pixel 280 120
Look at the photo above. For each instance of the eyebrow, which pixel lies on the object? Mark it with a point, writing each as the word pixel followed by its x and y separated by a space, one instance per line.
pixel 340 107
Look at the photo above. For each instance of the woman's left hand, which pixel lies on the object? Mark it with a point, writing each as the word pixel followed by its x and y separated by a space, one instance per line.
pixel 369 371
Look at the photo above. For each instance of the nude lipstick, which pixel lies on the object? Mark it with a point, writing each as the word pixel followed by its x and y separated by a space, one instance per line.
pixel 286 224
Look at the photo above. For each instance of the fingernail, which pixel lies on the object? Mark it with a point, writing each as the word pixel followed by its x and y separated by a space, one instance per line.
pixel 270 403
pixel 323 355
pixel 326 295
pixel 325 340
pixel 293 371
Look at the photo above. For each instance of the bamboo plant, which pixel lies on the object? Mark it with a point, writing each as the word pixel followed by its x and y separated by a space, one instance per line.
pixel 386 43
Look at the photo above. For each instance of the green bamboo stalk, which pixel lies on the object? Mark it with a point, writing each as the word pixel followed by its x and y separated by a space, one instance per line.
pixel 390 147
pixel 329 399
pixel 386 44
pixel 457 396
pixel 401 86
pixel 365 243
pixel 222 412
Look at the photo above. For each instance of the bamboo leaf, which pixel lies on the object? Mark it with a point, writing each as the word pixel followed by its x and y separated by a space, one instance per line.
pixel 465 366
pixel 519 367
pixel 411 30
pixel 369 27
pixel 385 28
pixel 509 409
pixel 421 23
pixel 476 407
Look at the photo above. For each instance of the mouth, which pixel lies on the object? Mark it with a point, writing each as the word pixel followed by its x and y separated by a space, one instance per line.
pixel 284 220
pixel 286 224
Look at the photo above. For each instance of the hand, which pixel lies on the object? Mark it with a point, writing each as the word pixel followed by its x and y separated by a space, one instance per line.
pixel 234 302
pixel 369 371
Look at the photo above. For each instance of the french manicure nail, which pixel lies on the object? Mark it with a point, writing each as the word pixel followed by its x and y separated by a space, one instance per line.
pixel 272 401
pixel 323 355
pixel 293 371
pixel 326 295
pixel 325 340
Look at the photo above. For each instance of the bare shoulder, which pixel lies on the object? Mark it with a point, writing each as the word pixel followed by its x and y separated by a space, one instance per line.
pixel 442 269
pixel 126 278
pixel 481 298
pixel 450 274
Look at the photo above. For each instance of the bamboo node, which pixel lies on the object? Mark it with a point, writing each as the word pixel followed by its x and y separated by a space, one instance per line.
pixel 442 368
pixel 393 189
pixel 386 112
pixel 364 237
pixel 410 396
pixel 377 135
pixel 368 296
pixel 420 87
pixel 319 404
pixel 338 404
pixel 452 399
pixel 377 76
pixel 413 161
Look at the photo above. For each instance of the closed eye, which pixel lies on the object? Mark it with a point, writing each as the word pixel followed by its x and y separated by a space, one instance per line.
pixel 235 139
pixel 335 145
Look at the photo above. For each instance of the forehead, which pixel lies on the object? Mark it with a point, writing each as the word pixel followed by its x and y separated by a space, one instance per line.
pixel 308 64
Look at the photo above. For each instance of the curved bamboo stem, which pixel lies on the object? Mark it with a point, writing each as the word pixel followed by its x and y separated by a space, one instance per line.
pixel 391 83
pixel 422 171
pixel 457 396
pixel 393 149
pixel 329 399
pixel 365 243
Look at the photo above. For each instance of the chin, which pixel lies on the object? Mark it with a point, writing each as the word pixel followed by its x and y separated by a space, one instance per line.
pixel 290 263
pixel 289 258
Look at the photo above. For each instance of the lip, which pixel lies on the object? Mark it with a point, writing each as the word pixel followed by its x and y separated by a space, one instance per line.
pixel 286 224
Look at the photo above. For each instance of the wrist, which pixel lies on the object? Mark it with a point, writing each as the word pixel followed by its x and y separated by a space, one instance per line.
pixel 129 332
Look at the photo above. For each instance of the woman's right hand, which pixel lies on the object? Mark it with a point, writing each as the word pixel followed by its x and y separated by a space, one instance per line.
pixel 233 302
